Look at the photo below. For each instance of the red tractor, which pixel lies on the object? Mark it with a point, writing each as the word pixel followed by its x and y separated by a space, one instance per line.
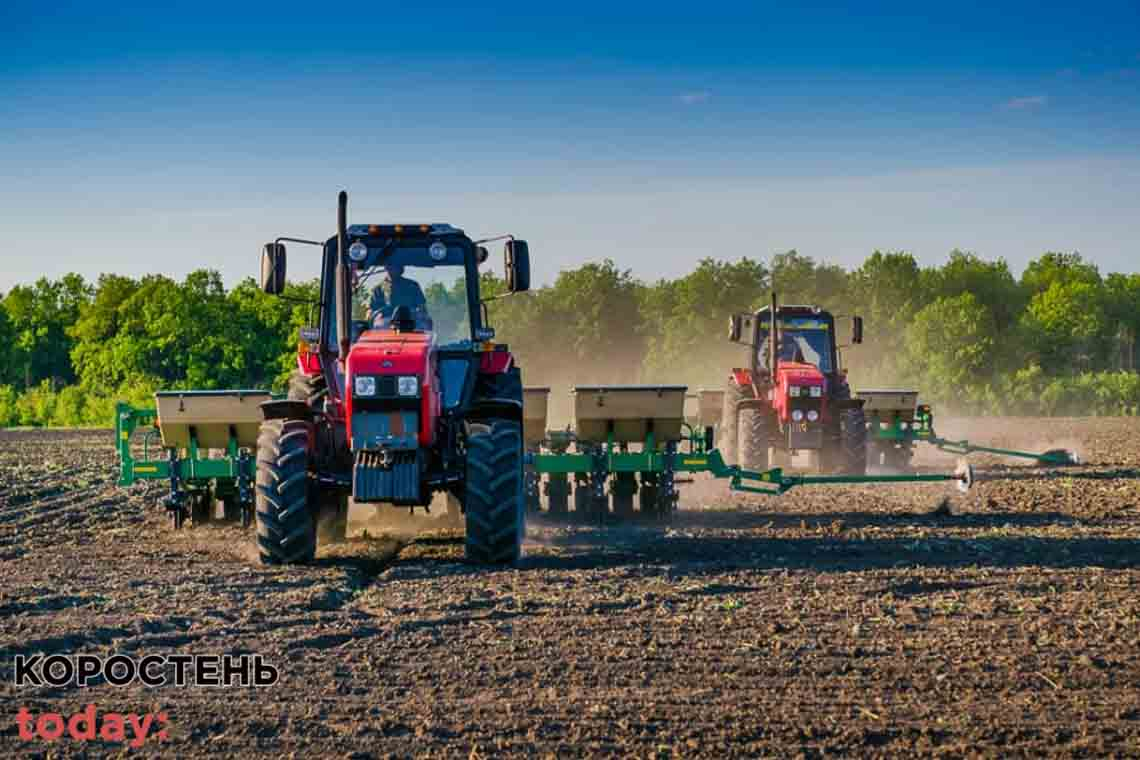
pixel 793 397
pixel 400 392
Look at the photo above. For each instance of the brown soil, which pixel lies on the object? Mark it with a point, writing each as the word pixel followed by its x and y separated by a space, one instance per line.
pixel 862 620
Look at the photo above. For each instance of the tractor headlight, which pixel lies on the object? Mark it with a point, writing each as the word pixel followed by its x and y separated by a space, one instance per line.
pixel 364 385
pixel 815 391
pixel 797 415
pixel 794 390
pixel 813 415
pixel 408 385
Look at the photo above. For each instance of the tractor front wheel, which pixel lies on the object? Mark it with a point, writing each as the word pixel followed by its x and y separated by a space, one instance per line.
pixel 753 435
pixel 493 493
pixel 286 524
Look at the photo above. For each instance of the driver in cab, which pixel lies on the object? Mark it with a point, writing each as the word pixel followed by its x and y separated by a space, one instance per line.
pixel 789 350
pixel 394 291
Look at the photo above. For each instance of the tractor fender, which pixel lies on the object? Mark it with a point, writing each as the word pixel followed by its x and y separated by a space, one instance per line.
pixel 497 408
pixel 286 409
pixel 742 377
pixel 497 394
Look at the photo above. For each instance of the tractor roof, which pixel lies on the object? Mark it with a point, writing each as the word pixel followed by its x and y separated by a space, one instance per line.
pixel 396 230
pixel 795 309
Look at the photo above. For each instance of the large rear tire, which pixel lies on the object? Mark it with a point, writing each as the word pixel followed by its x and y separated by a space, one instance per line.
pixel 727 437
pixel 495 507
pixel 753 435
pixel 286 524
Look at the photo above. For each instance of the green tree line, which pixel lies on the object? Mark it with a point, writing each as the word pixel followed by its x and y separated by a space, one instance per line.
pixel 974 338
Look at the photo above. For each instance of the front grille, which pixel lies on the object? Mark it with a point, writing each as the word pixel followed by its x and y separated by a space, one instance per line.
pixel 393 476
pixel 386 386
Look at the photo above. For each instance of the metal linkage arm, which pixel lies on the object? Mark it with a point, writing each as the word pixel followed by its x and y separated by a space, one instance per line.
pixel 963 447
pixel 774 482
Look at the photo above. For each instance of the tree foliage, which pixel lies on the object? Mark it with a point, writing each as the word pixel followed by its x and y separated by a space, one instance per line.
pixel 1061 339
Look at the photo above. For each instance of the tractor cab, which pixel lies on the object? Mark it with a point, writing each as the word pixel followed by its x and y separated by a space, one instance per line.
pixel 804 336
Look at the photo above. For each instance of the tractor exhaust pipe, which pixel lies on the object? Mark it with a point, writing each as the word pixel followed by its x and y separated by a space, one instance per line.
pixel 343 296
pixel 772 338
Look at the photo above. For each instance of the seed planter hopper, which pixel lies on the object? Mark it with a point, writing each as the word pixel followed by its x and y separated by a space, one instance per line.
pixel 897 421
pixel 634 439
pixel 186 427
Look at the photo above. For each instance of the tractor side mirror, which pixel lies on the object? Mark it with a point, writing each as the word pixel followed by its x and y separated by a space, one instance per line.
pixel 857 330
pixel 273 268
pixel 516 255
pixel 734 328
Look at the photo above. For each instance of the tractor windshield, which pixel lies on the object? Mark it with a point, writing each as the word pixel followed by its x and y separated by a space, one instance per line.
pixel 426 284
pixel 436 297
pixel 810 345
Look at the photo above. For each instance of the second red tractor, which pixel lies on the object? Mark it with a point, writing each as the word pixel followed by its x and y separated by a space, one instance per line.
pixel 791 397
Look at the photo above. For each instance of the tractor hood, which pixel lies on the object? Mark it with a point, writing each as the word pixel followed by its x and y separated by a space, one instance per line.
pixel 382 411
pixel 799 374
pixel 387 352
pixel 803 378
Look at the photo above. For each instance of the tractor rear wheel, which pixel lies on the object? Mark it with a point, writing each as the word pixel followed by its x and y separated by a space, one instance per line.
pixel 753 435
pixel 286 524
pixel 733 395
pixel 495 508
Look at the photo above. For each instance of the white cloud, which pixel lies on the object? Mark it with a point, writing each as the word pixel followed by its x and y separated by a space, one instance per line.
pixel 692 98
pixel 1027 103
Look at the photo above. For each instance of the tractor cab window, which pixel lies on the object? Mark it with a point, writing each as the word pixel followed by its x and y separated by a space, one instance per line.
pixel 811 345
pixel 435 297
pixel 431 291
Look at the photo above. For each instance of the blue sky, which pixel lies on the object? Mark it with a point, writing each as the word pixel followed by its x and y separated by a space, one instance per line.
pixel 144 139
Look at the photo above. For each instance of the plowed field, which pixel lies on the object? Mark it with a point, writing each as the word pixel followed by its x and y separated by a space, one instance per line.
pixel 887 621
